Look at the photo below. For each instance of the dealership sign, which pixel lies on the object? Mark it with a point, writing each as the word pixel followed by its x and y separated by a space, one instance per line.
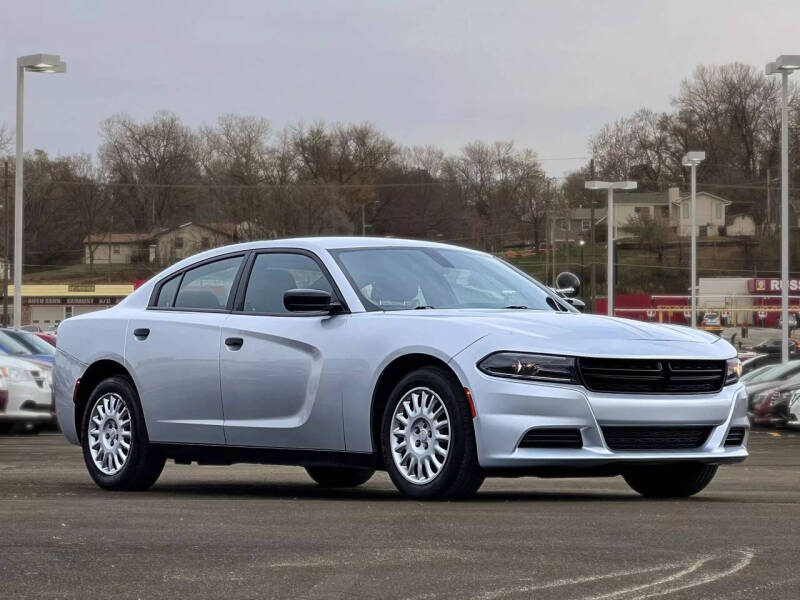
pixel 771 286
pixel 77 300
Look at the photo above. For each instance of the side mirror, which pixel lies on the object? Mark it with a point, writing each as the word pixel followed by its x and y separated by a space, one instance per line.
pixel 568 284
pixel 577 303
pixel 310 301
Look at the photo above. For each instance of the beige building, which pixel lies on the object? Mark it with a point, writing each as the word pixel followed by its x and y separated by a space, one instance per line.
pixel 46 305
pixel 162 247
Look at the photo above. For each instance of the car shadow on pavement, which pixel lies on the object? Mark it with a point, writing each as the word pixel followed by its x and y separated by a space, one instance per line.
pixel 295 492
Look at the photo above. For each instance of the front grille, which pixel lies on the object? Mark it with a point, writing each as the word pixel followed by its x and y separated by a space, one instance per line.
pixel 32 406
pixel 735 436
pixel 655 438
pixel 546 437
pixel 651 376
pixel 38 378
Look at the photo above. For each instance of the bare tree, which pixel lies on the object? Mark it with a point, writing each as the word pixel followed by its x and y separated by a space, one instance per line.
pixel 85 191
pixel 153 166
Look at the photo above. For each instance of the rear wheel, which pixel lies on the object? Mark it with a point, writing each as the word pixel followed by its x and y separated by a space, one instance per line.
pixel 428 441
pixel 116 449
pixel 332 477
pixel 670 481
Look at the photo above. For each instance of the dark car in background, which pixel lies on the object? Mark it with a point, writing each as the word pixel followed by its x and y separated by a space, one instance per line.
pixel 773 346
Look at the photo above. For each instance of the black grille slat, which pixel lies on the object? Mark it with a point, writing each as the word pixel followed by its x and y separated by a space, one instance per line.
pixel 735 436
pixel 552 438
pixel 655 438
pixel 652 376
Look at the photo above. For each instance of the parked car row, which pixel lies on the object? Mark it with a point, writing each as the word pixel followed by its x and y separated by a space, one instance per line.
pixel 25 380
pixel 773 393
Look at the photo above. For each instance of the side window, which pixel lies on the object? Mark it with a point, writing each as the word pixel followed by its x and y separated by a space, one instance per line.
pixel 167 292
pixel 208 286
pixel 274 274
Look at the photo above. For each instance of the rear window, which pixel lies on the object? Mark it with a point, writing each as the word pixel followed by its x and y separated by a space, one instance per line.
pixel 206 287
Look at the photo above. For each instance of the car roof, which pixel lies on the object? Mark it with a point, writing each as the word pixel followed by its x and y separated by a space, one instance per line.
pixel 337 243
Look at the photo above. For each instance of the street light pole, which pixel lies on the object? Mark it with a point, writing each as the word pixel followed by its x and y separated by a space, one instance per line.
pixel 784 65
pixel 784 217
pixel 18 203
pixel 692 159
pixel 36 63
pixel 610 186
pixel 610 250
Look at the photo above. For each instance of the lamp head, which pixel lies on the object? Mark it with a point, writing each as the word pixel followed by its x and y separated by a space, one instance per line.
pixel 785 63
pixel 596 185
pixel 693 158
pixel 624 185
pixel 42 63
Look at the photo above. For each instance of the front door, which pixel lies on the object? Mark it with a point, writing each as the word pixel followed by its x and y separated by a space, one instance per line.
pixel 174 353
pixel 278 389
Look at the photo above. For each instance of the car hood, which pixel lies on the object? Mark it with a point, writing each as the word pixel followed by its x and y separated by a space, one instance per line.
pixel 580 334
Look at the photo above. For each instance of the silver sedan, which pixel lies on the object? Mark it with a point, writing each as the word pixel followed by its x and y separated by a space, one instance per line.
pixel 438 364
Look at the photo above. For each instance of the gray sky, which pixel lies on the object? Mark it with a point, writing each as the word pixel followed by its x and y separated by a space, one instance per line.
pixel 545 74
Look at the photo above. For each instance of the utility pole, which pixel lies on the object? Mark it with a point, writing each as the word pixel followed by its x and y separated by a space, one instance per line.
pixel 363 220
pixel 553 251
pixel 7 205
pixel 769 203
pixel 592 272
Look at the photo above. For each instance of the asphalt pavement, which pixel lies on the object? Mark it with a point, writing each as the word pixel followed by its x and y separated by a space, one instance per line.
pixel 269 532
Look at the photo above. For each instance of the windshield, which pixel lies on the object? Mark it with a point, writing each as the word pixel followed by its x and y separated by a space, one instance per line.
pixel 11 345
pixel 777 372
pixel 409 278
pixel 32 341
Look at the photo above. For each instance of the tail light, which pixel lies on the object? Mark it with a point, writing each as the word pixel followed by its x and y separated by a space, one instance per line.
pixel 3 399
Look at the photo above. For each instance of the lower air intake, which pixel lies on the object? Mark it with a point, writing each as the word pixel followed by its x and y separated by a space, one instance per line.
pixel 735 436
pixel 545 437
pixel 655 438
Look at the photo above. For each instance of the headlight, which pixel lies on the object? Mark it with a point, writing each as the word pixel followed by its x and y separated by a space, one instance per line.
pixel 535 367
pixel 16 374
pixel 734 371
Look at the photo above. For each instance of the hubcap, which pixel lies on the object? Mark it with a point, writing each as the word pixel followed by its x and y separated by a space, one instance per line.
pixel 110 433
pixel 420 435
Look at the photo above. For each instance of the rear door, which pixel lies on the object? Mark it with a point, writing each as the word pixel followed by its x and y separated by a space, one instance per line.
pixel 174 352
pixel 280 385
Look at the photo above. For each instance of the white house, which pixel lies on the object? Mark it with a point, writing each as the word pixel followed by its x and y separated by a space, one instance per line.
pixel 710 213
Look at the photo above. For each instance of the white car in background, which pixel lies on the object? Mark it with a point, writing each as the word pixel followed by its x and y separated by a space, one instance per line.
pixel 25 393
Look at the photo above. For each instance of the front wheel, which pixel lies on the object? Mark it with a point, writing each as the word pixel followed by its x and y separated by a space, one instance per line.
pixel 116 449
pixel 342 477
pixel 428 441
pixel 670 481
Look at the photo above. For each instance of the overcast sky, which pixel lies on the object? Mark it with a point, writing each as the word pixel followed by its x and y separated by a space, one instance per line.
pixel 546 74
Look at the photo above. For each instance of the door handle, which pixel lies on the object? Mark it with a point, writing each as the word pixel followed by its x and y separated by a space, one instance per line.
pixel 141 333
pixel 234 343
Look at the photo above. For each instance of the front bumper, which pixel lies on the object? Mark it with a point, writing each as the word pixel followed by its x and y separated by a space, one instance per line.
pixel 27 402
pixel 508 409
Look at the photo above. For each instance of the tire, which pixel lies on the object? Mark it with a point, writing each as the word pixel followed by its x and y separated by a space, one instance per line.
pixel 123 423
pixel 670 481
pixel 455 474
pixel 341 477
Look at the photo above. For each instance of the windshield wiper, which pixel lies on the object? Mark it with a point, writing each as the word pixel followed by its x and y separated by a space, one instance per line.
pixel 424 307
pixel 517 306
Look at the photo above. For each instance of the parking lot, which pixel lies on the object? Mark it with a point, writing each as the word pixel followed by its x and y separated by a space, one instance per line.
pixel 269 532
